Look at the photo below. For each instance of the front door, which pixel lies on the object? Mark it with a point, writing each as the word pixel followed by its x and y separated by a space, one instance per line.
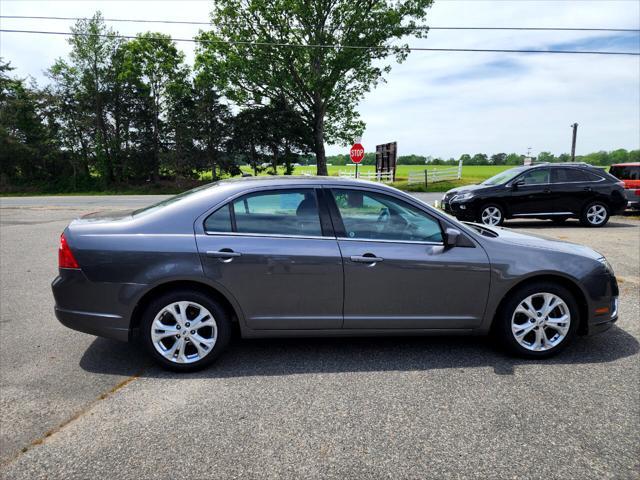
pixel 271 252
pixel 533 193
pixel 398 273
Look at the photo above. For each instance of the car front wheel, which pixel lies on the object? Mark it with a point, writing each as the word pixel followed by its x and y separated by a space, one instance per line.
pixel 538 320
pixel 491 215
pixel 185 330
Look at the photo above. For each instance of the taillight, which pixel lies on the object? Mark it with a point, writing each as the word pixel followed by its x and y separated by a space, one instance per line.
pixel 65 255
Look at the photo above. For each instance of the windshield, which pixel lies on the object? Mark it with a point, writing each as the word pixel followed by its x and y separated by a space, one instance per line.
pixel 504 177
pixel 174 199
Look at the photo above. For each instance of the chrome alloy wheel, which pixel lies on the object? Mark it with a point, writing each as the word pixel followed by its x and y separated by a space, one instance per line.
pixel 541 321
pixel 184 332
pixel 491 216
pixel 596 214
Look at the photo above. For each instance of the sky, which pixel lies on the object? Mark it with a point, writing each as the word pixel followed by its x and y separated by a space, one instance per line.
pixel 438 104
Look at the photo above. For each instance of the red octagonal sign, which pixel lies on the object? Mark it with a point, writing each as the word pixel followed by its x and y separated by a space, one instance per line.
pixel 357 153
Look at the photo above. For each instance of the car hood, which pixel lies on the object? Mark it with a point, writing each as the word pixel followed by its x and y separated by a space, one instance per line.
pixel 542 242
pixel 469 188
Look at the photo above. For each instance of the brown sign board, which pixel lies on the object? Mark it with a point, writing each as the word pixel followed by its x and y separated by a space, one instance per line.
pixel 386 156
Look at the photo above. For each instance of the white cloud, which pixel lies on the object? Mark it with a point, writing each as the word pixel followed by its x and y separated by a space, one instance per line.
pixel 440 104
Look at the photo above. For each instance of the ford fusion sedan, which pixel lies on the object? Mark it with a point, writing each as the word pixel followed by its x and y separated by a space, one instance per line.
pixel 548 191
pixel 319 256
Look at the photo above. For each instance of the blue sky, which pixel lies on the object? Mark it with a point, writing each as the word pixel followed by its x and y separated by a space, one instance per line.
pixel 443 104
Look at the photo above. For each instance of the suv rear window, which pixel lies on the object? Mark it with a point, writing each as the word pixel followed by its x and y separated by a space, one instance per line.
pixel 626 172
pixel 562 175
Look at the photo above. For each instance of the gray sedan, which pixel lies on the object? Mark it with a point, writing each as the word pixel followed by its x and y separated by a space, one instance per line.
pixel 319 256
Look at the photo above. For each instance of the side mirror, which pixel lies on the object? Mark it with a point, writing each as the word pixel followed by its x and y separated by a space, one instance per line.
pixel 517 184
pixel 451 236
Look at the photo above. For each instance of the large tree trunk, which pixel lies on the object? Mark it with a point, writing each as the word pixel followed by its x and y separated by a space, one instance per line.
pixel 318 137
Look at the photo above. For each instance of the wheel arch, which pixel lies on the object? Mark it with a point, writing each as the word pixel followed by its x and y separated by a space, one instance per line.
pixel 136 316
pixel 569 284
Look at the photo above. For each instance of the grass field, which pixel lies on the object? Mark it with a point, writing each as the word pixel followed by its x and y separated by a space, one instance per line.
pixel 470 174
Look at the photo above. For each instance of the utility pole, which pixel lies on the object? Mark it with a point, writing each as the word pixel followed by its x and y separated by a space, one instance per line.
pixel 573 142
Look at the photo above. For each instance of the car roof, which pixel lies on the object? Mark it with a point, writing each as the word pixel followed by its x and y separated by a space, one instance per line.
pixel 629 164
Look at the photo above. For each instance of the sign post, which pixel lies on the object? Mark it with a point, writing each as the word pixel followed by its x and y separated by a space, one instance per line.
pixel 357 154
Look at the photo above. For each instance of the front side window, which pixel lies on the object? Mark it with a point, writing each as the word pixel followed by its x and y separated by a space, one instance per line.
pixel 374 216
pixel 278 212
pixel 536 177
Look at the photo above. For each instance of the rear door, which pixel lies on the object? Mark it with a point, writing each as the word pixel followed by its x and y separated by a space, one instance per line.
pixel 398 273
pixel 276 254
pixel 573 189
pixel 533 193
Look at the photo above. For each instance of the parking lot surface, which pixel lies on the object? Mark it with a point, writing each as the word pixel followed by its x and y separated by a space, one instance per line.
pixel 76 406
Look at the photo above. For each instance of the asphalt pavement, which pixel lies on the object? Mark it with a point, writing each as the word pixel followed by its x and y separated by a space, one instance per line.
pixel 76 406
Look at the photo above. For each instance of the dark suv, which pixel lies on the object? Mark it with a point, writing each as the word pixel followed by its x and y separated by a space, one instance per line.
pixel 550 191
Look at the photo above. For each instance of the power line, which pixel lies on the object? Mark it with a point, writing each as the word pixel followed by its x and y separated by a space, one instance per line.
pixel 346 47
pixel 420 27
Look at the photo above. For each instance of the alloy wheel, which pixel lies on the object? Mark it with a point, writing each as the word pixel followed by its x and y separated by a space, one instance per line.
pixel 541 321
pixel 491 216
pixel 596 214
pixel 184 332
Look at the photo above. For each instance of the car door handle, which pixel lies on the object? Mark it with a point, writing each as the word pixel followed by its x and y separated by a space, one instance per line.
pixel 587 189
pixel 366 258
pixel 225 253
pixel 547 190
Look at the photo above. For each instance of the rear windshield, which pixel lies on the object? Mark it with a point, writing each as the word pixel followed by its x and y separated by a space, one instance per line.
pixel 174 199
pixel 626 172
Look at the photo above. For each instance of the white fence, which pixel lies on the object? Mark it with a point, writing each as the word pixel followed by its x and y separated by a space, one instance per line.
pixel 435 175
pixel 386 177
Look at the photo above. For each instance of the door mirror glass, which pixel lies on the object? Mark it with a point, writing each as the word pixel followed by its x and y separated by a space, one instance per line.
pixel 452 236
pixel 518 183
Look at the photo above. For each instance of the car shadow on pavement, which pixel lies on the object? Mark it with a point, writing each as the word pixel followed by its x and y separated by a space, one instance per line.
pixel 337 355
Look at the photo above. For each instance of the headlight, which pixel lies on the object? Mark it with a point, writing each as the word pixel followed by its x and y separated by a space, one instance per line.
pixel 606 265
pixel 463 196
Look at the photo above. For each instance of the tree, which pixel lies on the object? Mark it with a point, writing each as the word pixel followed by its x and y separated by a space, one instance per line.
pixel 323 84
pixel 153 62
pixel 546 157
pixel 498 158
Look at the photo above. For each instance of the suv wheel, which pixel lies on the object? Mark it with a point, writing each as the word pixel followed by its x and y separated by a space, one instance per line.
pixel 185 330
pixel 491 215
pixel 595 214
pixel 538 320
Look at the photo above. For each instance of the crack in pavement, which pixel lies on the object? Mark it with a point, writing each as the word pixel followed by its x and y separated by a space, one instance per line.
pixel 76 416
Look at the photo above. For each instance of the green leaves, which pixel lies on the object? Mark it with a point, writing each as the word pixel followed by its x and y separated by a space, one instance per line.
pixel 296 50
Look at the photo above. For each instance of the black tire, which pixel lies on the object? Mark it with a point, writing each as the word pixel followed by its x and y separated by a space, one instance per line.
pixel 486 209
pixel 220 318
pixel 506 336
pixel 587 217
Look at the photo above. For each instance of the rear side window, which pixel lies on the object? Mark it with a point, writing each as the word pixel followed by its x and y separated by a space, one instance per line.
pixel 219 221
pixel 626 172
pixel 278 212
pixel 564 175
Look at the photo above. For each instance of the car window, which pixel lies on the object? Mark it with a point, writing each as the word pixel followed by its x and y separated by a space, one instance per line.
pixel 625 172
pixel 219 221
pixel 563 175
pixel 536 176
pixel 374 216
pixel 278 212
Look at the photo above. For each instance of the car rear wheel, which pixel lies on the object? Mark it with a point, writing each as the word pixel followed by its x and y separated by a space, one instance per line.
pixel 185 330
pixel 595 214
pixel 491 215
pixel 538 320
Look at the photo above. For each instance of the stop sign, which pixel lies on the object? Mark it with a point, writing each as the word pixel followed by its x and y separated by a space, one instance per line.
pixel 357 153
